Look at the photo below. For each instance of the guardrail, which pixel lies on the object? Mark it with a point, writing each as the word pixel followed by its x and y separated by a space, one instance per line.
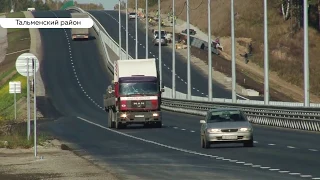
pixel 281 114
pixel 288 117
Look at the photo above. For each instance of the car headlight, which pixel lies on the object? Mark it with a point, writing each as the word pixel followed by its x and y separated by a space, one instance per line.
pixel 123 115
pixel 213 130
pixel 244 129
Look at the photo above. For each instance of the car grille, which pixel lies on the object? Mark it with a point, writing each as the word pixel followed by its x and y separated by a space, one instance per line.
pixel 229 130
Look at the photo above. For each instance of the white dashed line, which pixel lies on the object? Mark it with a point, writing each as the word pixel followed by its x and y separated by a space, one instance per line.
pixel 290 147
pixel 284 171
pixel 274 169
pixel 294 173
pixel 306 176
pixel 192 131
pixel 271 144
pixel 73 67
pixel 314 150
pixel 166 146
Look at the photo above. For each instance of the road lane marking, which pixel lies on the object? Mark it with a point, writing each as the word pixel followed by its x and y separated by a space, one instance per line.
pixel 185 150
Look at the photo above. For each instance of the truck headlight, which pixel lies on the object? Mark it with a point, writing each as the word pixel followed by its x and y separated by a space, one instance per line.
pixel 213 130
pixel 155 114
pixel 123 115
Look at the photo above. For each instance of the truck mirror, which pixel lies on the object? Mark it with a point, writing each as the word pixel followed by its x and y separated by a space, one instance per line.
pixel 110 90
pixel 162 89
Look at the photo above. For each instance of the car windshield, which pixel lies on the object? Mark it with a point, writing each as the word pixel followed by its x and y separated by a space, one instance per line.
pixel 162 33
pixel 225 116
pixel 145 88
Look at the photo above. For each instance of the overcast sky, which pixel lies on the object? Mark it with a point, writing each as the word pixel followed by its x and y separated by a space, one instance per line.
pixel 107 4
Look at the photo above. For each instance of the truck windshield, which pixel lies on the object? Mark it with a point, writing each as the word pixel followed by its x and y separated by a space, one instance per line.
pixel 138 88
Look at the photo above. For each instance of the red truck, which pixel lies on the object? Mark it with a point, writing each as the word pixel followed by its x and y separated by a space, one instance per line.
pixel 134 96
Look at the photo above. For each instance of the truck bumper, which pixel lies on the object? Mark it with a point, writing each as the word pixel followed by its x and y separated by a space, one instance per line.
pixel 80 36
pixel 139 117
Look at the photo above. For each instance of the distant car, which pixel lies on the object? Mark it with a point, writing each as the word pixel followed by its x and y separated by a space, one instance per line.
pixel 162 41
pixel 192 32
pixel 226 126
pixel 132 15
pixel 163 33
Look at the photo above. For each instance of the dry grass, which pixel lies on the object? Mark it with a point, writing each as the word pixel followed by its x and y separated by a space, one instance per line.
pixel 285 51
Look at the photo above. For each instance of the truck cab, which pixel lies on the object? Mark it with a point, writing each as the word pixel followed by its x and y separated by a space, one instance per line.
pixel 134 98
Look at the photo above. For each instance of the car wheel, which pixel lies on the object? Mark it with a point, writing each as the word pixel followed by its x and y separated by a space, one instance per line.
pixel 158 125
pixel 206 144
pixel 248 143
pixel 202 142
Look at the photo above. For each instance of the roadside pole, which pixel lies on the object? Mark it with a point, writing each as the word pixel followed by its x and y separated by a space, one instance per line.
pixel 209 53
pixel 14 88
pixel 266 54
pixel 120 30
pixel 306 54
pixel 173 51
pixel 188 50
pixel 127 32
pixel 136 29
pixel 233 59
pixel 159 36
pixel 28 99
pixel 147 30
pixel 34 107
pixel 23 68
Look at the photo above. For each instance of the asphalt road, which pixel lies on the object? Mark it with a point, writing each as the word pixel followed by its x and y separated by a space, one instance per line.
pixel 199 81
pixel 172 152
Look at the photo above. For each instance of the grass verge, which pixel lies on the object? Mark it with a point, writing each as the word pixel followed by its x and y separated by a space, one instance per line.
pixel 14 135
pixel 18 39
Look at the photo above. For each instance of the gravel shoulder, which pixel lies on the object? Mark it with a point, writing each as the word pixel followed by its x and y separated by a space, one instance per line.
pixel 53 163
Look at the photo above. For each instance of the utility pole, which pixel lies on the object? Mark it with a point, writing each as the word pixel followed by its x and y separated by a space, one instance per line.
pixel 209 53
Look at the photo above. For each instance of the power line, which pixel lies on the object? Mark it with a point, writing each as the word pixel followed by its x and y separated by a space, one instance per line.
pixel 192 9
pixel 184 5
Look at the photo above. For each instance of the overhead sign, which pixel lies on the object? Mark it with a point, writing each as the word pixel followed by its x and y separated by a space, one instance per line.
pixel 25 64
pixel 14 87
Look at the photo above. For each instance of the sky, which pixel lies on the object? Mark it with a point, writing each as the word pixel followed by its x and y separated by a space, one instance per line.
pixel 107 4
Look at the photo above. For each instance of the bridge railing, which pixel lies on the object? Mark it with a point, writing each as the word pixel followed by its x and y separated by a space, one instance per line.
pixel 281 114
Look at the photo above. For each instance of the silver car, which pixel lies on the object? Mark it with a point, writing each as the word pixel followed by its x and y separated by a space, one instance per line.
pixel 226 126
pixel 162 41
pixel 132 15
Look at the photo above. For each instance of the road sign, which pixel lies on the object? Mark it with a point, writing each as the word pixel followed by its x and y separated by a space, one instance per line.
pixel 14 87
pixel 24 64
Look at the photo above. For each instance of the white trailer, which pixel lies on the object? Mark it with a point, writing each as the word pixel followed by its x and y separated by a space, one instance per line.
pixel 137 67
pixel 79 33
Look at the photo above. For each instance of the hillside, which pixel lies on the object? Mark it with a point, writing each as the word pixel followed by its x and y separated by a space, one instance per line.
pixel 285 47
